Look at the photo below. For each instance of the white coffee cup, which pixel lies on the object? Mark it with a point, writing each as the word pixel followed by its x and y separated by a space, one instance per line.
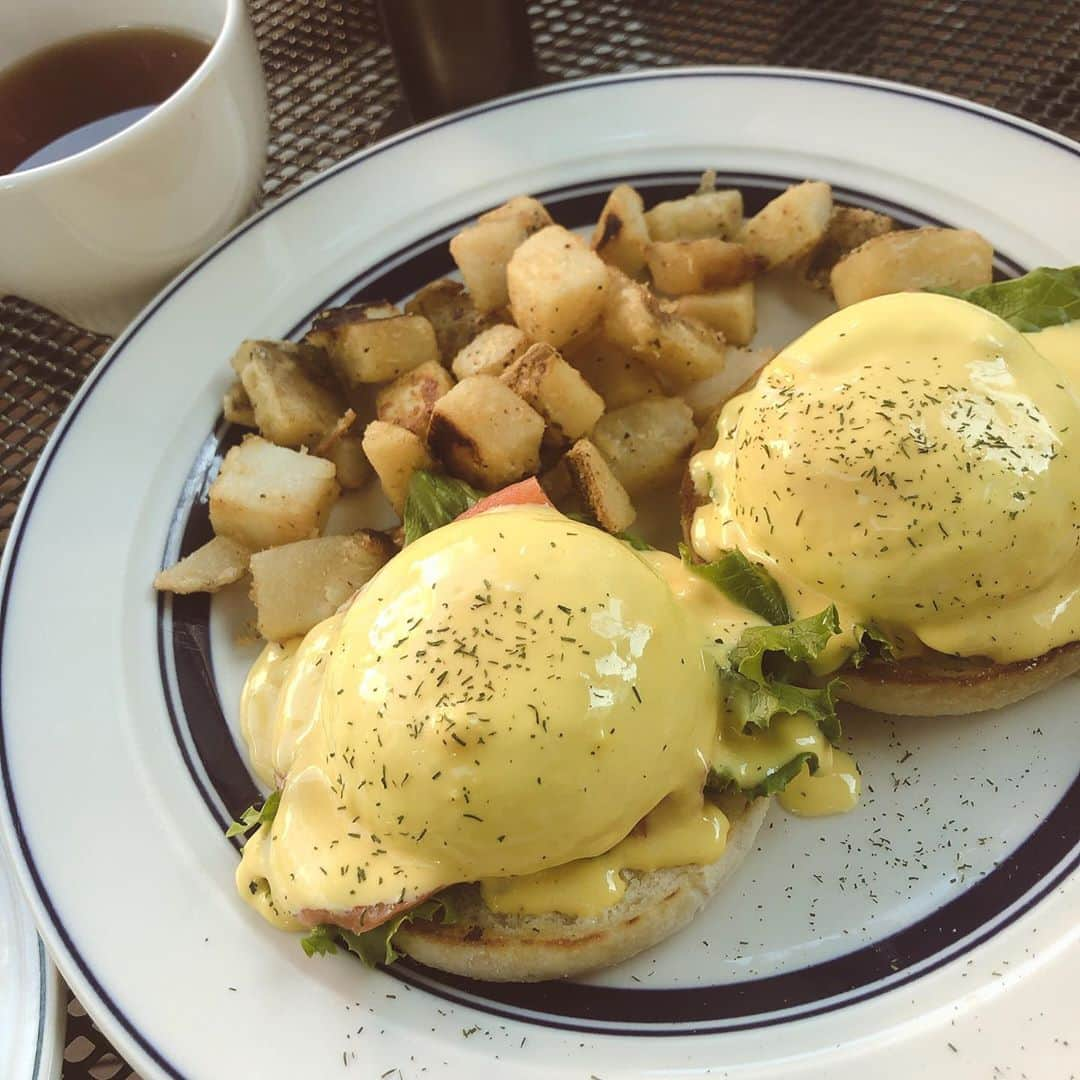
pixel 93 236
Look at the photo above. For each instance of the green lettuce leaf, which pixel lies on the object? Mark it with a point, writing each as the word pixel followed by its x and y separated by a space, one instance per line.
pixel 434 500
pixel 798 641
pixel 1045 297
pixel 756 703
pixel 319 941
pixel 635 541
pixel 742 582
pixel 376 946
pixel 254 816
pixel 764 670
pixel 873 644
pixel 720 781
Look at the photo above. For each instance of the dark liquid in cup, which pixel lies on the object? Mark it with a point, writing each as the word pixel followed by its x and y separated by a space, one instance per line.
pixel 73 95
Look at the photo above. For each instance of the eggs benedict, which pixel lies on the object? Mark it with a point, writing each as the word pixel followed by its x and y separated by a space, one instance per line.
pixel 914 460
pixel 514 752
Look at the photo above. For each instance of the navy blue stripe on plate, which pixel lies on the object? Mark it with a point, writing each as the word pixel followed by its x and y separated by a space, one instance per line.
pixel 120 1026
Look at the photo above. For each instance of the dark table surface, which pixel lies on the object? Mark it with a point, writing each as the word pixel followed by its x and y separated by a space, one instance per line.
pixel 333 89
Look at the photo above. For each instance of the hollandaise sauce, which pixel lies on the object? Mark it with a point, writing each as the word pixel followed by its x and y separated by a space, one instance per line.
pixel 518 700
pixel 916 461
pixel 499 700
pixel 684 830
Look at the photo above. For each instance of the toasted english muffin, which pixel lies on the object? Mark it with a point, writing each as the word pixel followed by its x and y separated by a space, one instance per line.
pixel 935 684
pixel 531 948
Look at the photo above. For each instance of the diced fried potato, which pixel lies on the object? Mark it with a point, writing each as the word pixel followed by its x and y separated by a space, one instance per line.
pixel 631 316
pixel 491 352
pixel 618 376
pixel 849 227
pixel 409 399
pixel 364 350
pixel 742 366
pixel 377 309
pixel 340 428
pixel 913 259
pixel 708 213
pixel 266 495
pixel 790 226
pixel 353 467
pixel 451 311
pixel 557 286
pixel 395 454
pixel 218 563
pixel 598 488
pixel 312 360
pixel 688 351
pixel 681 351
pixel 621 235
pixel 695 266
pixel 236 406
pixel 645 443
pixel 291 409
pixel 298 585
pixel 529 212
pixel 556 391
pixel 483 250
pixel 485 434
pixel 730 312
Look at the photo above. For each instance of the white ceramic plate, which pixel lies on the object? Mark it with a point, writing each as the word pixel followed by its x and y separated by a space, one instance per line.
pixel 934 925
pixel 31 1014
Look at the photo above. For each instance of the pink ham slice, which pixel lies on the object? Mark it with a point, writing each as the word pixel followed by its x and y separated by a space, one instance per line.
pixel 361 919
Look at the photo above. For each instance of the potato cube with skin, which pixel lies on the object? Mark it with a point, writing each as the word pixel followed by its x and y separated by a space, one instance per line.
pixel 311 360
pixel 849 227
pixel 791 226
pixel 557 286
pixel 409 399
pixel 395 454
pixel 618 376
pixel 265 495
pixel 452 314
pixel 730 312
pixel 491 352
pixel 485 434
pixel 646 443
pixel 236 406
pixel 681 351
pixel 694 266
pixel 291 409
pixel 298 585
pixel 913 259
pixel 598 488
pixel 218 563
pixel 621 235
pixel 706 213
pixel 364 350
pixel 482 251
pixel 556 391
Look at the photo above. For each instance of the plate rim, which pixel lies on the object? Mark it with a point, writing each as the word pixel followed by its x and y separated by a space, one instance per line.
pixel 49 1021
pixel 135 1046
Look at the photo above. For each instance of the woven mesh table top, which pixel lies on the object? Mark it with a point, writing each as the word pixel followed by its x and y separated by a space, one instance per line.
pixel 333 89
